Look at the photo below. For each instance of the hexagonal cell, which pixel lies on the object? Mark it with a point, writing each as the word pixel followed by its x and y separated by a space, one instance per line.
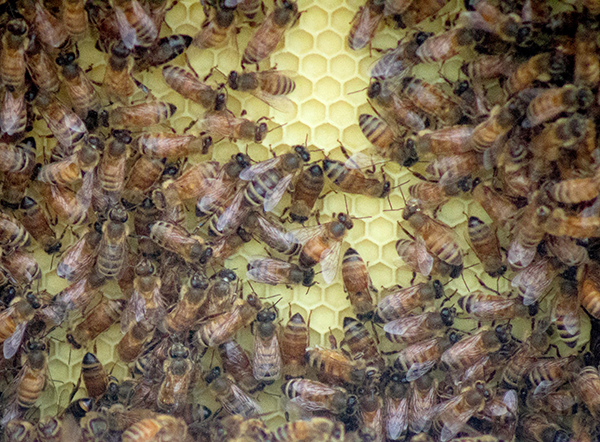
pixel 312 112
pixel 298 42
pixel 195 13
pixel 452 213
pixel 60 370
pixel 332 294
pixel 201 61
pixel 327 134
pixel 380 230
pixel 313 66
pixel 353 138
pixel 341 18
pixel 368 250
pixel 327 89
pixel 364 66
pixel 341 113
pixel 297 131
pixel 177 15
pixel 186 29
pixel 309 300
pixel 382 275
pixel 322 318
pixel 314 20
pixel 227 59
pixel 329 43
pixel 342 67
pixel 366 206
pixel 286 60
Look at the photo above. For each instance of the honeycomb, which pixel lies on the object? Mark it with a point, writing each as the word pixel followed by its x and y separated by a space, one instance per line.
pixel 328 99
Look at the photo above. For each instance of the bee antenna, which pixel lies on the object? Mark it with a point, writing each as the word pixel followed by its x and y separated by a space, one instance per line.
pixel 346 202
pixel 276 127
pixel 462 275
pixel 361 217
pixel 360 90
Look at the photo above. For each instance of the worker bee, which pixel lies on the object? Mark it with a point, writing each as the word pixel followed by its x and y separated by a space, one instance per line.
pixel 135 26
pixel 415 255
pixel 487 307
pixel 169 145
pixel 537 427
pixel 431 195
pixel 589 293
pixel 396 108
pixel 223 124
pixel 295 337
pixel 371 413
pixel 216 29
pixel 75 19
pixel 270 86
pixel 163 50
pixel 547 375
pixel 160 427
pixel 418 359
pixel 118 82
pixel 431 99
pixel 138 116
pixel 16 183
pixel 587 385
pixel 537 67
pixel 267 363
pixel 83 97
pixel 567 250
pixel 397 61
pixel 316 396
pixel 176 239
pixel 221 293
pixel 179 370
pixel 550 103
pixel 66 126
pixel 22 266
pixel 132 343
pixel 334 367
pixel 274 271
pixel 561 224
pixel 422 399
pixel 36 222
pixel 237 364
pixel 42 68
pixel 307 189
pixel 312 429
pixel 144 173
pixel 442 47
pixel 98 320
pixel 12 232
pixel 146 301
pixel 453 140
pixel 489 18
pixel 230 396
pixel 112 250
pixel 34 375
pixel 13 113
pixel 49 29
pixel 566 312
pixel 484 243
pixel 412 329
pixel 419 11
pixel 94 427
pixel 17 159
pixel 361 344
pixel 528 234
pixel 492 129
pixel 348 177
pixel 268 35
pixel 499 207
pixel 14 320
pixel 79 258
pixel 358 284
pixel 272 233
pixel 189 85
pixel 12 60
pixel 214 331
pixel 322 244
pixel 365 23
pixel 387 142
pixel 396 403
pixel 396 302
pixel 94 376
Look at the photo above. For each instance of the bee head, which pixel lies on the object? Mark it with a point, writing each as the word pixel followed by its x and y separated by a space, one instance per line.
pixel 232 80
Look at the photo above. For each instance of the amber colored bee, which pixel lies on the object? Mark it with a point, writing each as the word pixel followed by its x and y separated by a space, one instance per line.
pixel 431 99
pixel 566 312
pixel 12 232
pixel 194 182
pixel 316 396
pixel 587 63
pixel 419 11
pixel 139 116
pixel 42 68
pixel 563 133
pixel 35 221
pixel 169 145
pixel 216 28
pixel 589 294
pixel 412 329
pixel 118 82
pixel 365 23
pixel 33 378
pixel 82 94
pixel 547 375
pixel 358 284
pixel 221 293
pixel 162 51
pixel 269 86
pixel 442 47
pixel 361 344
pixel 16 159
pixel 268 35
pixel 567 250
pixel 396 108
pixel 266 363
pixel 235 427
pixel 176 239
pixel 422 399
pixel 65 125
pixel 398 60
pixel 111 169
pixel 386 141
pixel 237 364
pixel 132 344
pixel 348 178
pixel 396 302
pixel 14 320
pixel 94 376
pixel 60 173
pixel 230 396
pixel 189 85
pixel 488 307
pixel 135 25
pixel 396 403
pixel 489 18
pixel 487 67
pixel 75 18
pixel 561 224
pixel 526 73
pixel 415 255
pixel 178 369
pixel 272 233
pixel 486 133
pixel 418 359
pixel 22 266
pixel 533 281
pixel 307 189
pixel 430 195
pixel 587 386
pixel 499 207
pixel 16 183
pixel 275 271
pixel 184 314
pixel 536 427
pixel 146 301
pixel 528 234
pixel 112 249
pixel 554 101
pixel 295 338
pixel 94 427
pixel 453 140
pixel 313 429
pixel 217 330
pixel 371 414
pixel 484 242
pixel 12 59
pixel 162 427
pixel 19 431
pixel 80 256
pixel 453 169
pixel 223 124
pixel 334 367
pixel 144 173
pixel 574 190
pixel 98 320
pixel 13 113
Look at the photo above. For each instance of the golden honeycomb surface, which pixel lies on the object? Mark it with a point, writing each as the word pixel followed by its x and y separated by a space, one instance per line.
pixel 328 99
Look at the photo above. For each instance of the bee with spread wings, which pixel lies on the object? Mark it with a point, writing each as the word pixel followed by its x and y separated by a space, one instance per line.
pixel 13 322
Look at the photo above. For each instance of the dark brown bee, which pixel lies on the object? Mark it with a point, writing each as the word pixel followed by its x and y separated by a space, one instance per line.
pixel 307 189
pixel 547 375
pixel 315 396
pixel 266 363
pixel 94 376
pixel 179 371
pixel 274 271
pixel 268 35
pixel 12 59
pixel 216 29
pixel 164 50
pixel 237 364
pixel 387 142
pixel 16 183
pixel 489 18
pixel 189 85
pixel 358 284
pixel 419 11
pixel 365 24
pixel 34 376
pixel 97 321
pixel 118 82
pixel 396 302
pixel 412 329
pixel 270 86
pixel 348 178
pixel 295 338
pixel 484 243
pixel 230 396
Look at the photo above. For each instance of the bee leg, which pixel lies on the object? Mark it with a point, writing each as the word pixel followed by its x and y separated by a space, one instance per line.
pixel 332 340
pixel 413 278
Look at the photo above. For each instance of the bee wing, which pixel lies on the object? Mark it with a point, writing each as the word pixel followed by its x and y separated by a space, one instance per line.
pixel 278 235
pixel 360 160
pixel 330 261
pixel 12 344
pixel 277 193
pixel 251 406
pixel 418 369
pixel 271 370
pixel 232 3
pixel 519 256
pixel 280 103
pixel 308 405
pixel 400 326
pixel 84 194
pixel 127 32
pixel 258 168
pixel 424 259
pixel 135 310
pixel 544 388
pixel 217 188
pixel 397 418
pixel 268 277
pixel 453 426
pixel 570 309
pixel 233 214
pixel 73 124
pixel 303 234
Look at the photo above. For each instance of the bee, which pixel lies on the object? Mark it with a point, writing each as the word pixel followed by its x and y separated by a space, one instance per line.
pixel 275 271
pixel 358 284
pixel 194 183
pixel 216 29
pixel 33 376
pixel 397 61
pixel 365 23
pixel 13 113
pixel 132 344
pixel 223 124
pixel 272 233
pixel 83 97
pixel 371 413
pixel 396 404
pixel 42 68
pixel 112 249
pixel 236 427
pixel 587 386
pixel 312 429
pixel 135 26
pixel 567 250
pixel 16 183
pixel 176 239
pixel 423 398
pixel 146 301
pixel 97 321
pixel 36 222
pixel 179 370
pixel 138 116
pixel 547 375
pixel 12 60
pixel 587 64
pixel 268 35
pixel 566 312
pixel 396 302
pixel 522 77
pixel 561 224
pixel 66 126
pixel 418 359
pixel 361 344
pixel 412 329
pixel 431 99
pixel 189 85
pixel 484 242
pixel 334 367
pixel 316 396
pixel 19 431
pixel 49 29
pixel 159 428
pixel 221 293
pixel 528 234
pixel 75 18
pixel 437 236
pixel 453 169
pixel 79 258
pixel 236 363
pixel 164 50
pixel 230 396
pixel 589 294
pixel 227 245
pixel 348 177
pixel 487 307
pixel 489 131
pixel 144 173
pixel 487 17
pixel 414 254
pixel 267 363
pixel 118 82
pixel 533 281
pixel 13 233
pixel 168 145
pixel 14 320
pixel 270 86
pixel 387 143
pixel 295 338
pixel 552 102
pixel 396 108
pixel 322 244
pixel 307 189
pixel 94 376
pixel 453 140
pixel 419 11
pixel 94 427
pixel 444 46
pixel 217 330
pixel 68 205
pixel 17 159
pixel 429 195
pixel 22 266
pixel 536 427
pixel 499 207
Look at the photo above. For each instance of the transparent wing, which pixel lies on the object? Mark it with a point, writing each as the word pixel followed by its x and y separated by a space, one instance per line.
pixel 545 387
pixel 271 276
pixel 330 260
pixel 303 234
pixel 135 311
pixel 418 369
pixel 233 214
pixel 280 103
pixel 455 424
pixel 12 344
pixel 126 31
pixel 360 160
pixel 271 370
pixel 258 168
pixel 217 189
pixel 249 406
pixel 277 234
pixel 401 326
pixel 424 259
pixel 397 418
pixel 84 194
pixel 273 197
pixel 308 405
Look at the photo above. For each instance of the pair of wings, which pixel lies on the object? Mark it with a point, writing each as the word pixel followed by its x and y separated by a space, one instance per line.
pixel 533 281
pixel 409 328
pixel 128 32
pixel 275 267
pixel 267 363
pixel 137 309
pixel 241 403
pixel 12 344
pixel 71 266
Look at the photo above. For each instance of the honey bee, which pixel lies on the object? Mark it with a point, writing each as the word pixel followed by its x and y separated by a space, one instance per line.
pixel 484 242
pixel 268 35
pixel 189 85
pixel 418 359
pixel 146 301
pixel 442 47
pixel 387 143
pixel 12 60
pixel 528 234
pixel 194 183
pixel 307 189
pixel 132 344
pixel 536 427
pixel 78 295
pixel 419 11
pixel 414 254
pixel 35 221
pixel 144 173
pixel 396 302
pixel 489 18
pixel 13 233
pixel 487 307
pixel 179 370
pixel 492 129
pixel 547 375
pixel 14 320
pixel 221 293
pixel 587 385
pixel 83 97
pixel 236 427
pixel 272 233
pixel 428 195
pixel 313 429
pixel 223 124
pixel 98 320
pixel 275 271
pixel 176 239
pixel 267 363
pixel 13 113
pixel 17 159
pixel 75 19
pixel 567 250
pixel 138 116
pixel 79 258
pixel 22 266
pixel 164 50
pixel 533 281
pixel 431 99
pixel 365 23
pixel 66 126
pixel 230 396
pixel 216 29
pixel 19 431
pixel 499 207
pixel 563 133
pixel 589 294
pixel 118 82
pixel 322 244
pixel 358 284
pixel 396 407
pixel 49 29
pixel 270 86
pixel 94 427
pixel 60 173
pixel 33 377
pixel 94 376
pixel 422 399
pixel 453 140
pixel 112 249
pixel 135 26
pixel 413 329
pixel 217 330
pixel 316 396
pixel 168 145
pixel 537 67
pixel 162 427
pixel 566 312
pixel 371 414
pixel 397 61
pixel 348 177
pixel 561 224
pixel 396 108
pixel 237 364
pixel 16 183
pixel 334 367
pixel 42 68
pixel 454 169
pixel 552 102
pixel 361 344
pixel 295 338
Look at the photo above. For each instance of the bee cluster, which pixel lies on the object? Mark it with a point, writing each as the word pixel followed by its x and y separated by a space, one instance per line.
pixel 153 231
